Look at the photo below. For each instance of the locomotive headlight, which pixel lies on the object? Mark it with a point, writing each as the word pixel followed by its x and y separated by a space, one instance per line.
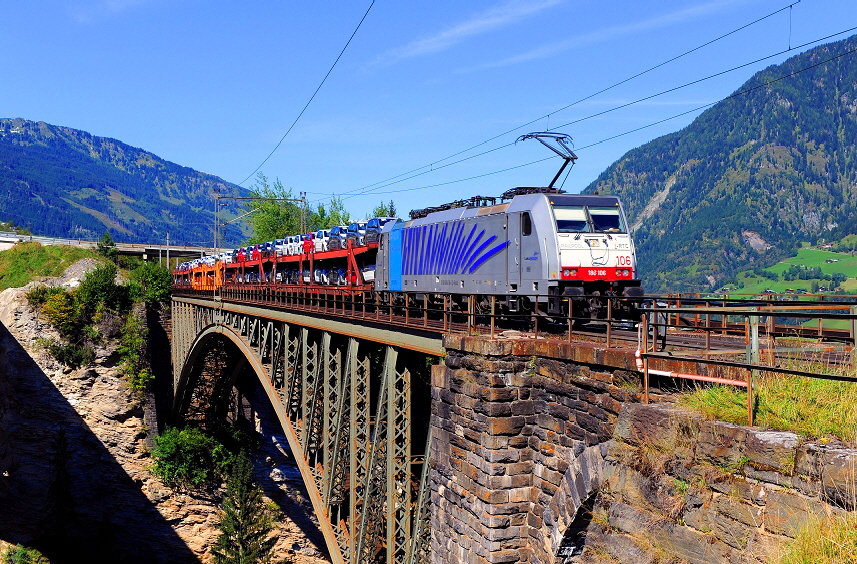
pixel 566 272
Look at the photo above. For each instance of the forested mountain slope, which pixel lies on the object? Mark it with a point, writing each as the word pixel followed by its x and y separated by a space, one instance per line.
pixel 749 179
pixel 63 182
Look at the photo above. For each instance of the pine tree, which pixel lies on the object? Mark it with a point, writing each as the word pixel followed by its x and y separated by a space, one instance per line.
pixel 246 522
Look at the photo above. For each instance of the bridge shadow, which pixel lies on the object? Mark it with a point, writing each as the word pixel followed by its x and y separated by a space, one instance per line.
pixel 61 490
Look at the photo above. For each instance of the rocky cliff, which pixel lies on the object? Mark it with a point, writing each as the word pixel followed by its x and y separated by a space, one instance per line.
pixel 73 462
pixel 708 492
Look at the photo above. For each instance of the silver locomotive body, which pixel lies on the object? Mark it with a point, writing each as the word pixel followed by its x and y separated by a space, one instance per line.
pixel 541 245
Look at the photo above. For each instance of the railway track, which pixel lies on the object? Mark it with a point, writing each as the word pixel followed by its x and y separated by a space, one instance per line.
pixel 693 326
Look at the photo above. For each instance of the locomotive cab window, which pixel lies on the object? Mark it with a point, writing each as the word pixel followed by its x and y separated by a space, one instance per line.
pixel 570 219
pixel 526 224
pixel 606 220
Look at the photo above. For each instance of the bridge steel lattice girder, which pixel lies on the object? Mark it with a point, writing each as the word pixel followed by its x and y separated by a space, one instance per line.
pixel 356 464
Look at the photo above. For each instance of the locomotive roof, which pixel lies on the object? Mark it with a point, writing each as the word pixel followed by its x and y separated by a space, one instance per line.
pixel 518 203
pixel 582 200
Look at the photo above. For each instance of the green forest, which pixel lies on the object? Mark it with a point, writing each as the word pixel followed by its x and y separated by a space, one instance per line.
pixel 750 180
pixel 62 182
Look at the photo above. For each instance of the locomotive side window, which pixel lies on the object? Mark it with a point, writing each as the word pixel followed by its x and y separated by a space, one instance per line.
pixel 526 224
pixel 570 219
pixel 606 220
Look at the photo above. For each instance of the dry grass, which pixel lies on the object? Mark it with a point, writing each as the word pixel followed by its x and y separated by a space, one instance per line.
pixel 824 541
pixel 811 407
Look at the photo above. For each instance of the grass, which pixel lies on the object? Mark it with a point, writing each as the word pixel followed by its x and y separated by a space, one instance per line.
pixel 809 258
pixel 810 407
pixel 824 541
pixel 27 261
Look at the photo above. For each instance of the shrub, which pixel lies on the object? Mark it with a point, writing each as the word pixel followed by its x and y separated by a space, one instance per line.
pixel 189 458
pixel 151 283
pixel 22 555
pixel 132 351
pixel 73 355
pixel 38 296
pixel 99 290
pixel 63 313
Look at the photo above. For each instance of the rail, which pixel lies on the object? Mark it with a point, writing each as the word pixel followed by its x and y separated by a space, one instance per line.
pixel 732 341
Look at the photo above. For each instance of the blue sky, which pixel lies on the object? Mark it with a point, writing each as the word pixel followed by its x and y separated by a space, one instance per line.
pixel 214 85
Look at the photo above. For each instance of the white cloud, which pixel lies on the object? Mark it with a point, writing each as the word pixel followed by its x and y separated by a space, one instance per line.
pixel 610 33
pixel 506 14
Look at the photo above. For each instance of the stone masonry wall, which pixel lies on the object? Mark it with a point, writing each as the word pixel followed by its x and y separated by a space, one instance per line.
pixel 518 444
pixel 522 440
pixel 710 491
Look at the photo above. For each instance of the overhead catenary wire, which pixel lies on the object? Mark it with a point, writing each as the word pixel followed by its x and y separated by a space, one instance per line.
pixel 702 107
pixel 330 70
pixel 701 79
pixel 432 166
pixel 362 191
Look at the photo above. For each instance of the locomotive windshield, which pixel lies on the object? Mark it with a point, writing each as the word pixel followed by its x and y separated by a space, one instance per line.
pixel 606 220
pixel 570 219
pixel 588 219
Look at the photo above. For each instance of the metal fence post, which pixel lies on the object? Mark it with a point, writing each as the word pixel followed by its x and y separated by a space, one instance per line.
pixel 750 398
pixel 645 348
pixel 609 321
pixel 853 339
pixel 752 359
pixel 493 310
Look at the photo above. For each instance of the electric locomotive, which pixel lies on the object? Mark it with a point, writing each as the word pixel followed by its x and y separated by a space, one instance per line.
pixel 542 246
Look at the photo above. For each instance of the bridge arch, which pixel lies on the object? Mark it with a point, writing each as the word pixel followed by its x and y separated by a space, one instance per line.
pixel 345 408
pixel 247 356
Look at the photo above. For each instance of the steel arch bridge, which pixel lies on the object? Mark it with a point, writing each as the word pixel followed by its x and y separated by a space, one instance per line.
pixel 348 420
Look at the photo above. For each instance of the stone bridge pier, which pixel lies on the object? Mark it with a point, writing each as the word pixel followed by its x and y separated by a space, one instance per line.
pixel 519 435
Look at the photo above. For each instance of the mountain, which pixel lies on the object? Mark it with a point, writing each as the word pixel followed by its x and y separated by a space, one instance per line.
pixel 749 179
pixel 63 182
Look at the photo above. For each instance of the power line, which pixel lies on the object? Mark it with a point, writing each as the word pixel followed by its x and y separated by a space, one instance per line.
pixel 639 74
pixel 700 80
pixel 313 94
pixel 365 191
pixel 461 179
pixel 734 95
pixel 742 92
